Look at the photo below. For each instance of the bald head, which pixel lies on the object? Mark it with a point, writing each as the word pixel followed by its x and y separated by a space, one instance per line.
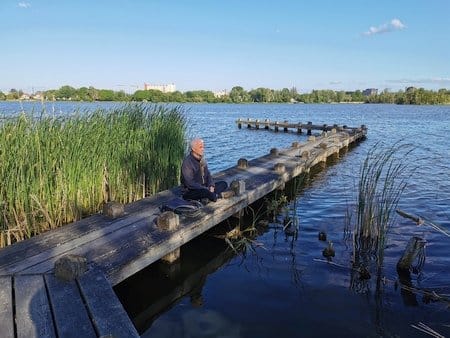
pixel 198 146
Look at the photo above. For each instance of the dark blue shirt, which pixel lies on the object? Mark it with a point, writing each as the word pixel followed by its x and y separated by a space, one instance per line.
pixel 195 173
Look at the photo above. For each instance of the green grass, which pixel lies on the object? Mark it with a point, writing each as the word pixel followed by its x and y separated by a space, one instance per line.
pixel 56 170
pixel 383 178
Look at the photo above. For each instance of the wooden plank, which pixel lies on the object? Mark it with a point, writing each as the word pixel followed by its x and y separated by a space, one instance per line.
pixel 33 314
pixel 15 254
pixel 71 316
pixel 107 313
pixel 6 307
pixel 51 254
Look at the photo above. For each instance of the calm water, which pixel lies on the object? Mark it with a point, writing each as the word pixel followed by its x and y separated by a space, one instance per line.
pixel 280 288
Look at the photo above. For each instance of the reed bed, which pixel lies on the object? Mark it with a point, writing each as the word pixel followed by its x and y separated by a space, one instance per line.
pixel 56 170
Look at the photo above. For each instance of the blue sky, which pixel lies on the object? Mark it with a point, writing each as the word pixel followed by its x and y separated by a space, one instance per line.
pixel 215 45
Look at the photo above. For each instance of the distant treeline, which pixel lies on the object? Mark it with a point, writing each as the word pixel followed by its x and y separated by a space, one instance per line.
pixel 238 94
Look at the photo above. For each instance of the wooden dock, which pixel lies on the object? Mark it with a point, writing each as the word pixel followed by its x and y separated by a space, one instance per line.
pixel 298 127
pixel 35 304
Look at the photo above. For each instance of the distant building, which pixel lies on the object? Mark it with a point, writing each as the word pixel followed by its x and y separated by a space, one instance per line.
pixel 165 88
pixel 221 93
pixel 370 91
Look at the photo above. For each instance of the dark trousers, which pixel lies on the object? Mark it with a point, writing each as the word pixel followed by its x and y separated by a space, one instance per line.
pixel 198 194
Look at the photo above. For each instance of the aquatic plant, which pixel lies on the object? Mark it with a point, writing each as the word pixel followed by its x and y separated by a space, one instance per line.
pixel 56 170
pixel 383 178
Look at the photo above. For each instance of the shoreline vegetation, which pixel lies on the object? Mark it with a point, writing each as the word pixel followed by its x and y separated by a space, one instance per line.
pixel 57 170
pixel 411 95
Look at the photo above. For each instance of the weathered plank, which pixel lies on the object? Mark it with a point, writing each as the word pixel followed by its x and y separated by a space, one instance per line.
pixel 31 264
pixel 33 314
pixel 12 256
pixel 71 316
pixel 6 310
pixel 107 313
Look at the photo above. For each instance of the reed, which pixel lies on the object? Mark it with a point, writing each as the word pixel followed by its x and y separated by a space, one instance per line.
pixel 382 180
pixel 56 170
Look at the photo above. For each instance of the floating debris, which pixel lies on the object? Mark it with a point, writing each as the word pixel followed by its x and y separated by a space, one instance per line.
pixel 322 236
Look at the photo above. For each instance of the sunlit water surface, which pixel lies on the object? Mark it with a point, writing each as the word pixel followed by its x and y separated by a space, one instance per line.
pixel 283 287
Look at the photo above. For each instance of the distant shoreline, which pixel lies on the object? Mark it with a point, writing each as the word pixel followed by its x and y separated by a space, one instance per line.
pixel 249 103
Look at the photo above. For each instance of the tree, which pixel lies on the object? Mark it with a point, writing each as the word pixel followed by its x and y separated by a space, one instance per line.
pixel 105 95
pixel 65 92
pixel 238 95
pixel 285 95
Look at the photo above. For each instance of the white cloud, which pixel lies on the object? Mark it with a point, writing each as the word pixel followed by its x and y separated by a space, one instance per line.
pixel 335 82
pixel 24 5
pixel 393 25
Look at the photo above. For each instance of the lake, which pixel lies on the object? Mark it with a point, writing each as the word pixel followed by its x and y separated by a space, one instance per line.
pixel 281 285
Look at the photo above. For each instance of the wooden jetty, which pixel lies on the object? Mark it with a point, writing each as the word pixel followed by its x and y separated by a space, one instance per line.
pixel 33 303
pixel 298 127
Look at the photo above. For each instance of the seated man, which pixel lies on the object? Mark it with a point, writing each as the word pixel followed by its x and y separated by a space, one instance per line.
pixel 196 178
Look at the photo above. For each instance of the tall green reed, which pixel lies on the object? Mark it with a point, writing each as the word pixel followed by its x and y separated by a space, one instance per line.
pixel 56 170
pixel 382 180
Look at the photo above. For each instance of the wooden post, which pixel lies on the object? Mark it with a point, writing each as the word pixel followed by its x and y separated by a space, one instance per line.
pixel 299 128
pixel 249 123
pixel 257 124
pixel 308 128
pixel 113 210
pixel 69 267
pixel 324 127
pixel 239 121
pixel 274 152
pixel 285 126
pixel 267 122
pixel 280 168
pixel 169 221
pixel 276 126
pixel 413 250
pixel 238 186
pixel 295 144
pixel 242 163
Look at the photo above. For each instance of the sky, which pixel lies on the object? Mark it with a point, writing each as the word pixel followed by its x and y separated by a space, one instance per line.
pixel 216 45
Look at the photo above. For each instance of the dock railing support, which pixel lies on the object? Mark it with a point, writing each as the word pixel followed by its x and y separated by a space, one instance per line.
pixel 169 221
pixel 238 187
pixel 113 210
pixel 308 128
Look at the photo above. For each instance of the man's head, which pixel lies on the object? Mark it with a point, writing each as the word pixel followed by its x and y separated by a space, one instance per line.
pixel 198 147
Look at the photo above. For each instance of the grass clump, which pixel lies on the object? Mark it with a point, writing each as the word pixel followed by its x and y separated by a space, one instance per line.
pixel 56 170
pixel 382 180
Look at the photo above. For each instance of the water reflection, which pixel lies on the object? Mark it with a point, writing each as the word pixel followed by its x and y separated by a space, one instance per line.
pixel 157 288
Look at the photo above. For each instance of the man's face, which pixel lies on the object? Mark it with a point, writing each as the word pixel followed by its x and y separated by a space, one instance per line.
pixel 199 148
